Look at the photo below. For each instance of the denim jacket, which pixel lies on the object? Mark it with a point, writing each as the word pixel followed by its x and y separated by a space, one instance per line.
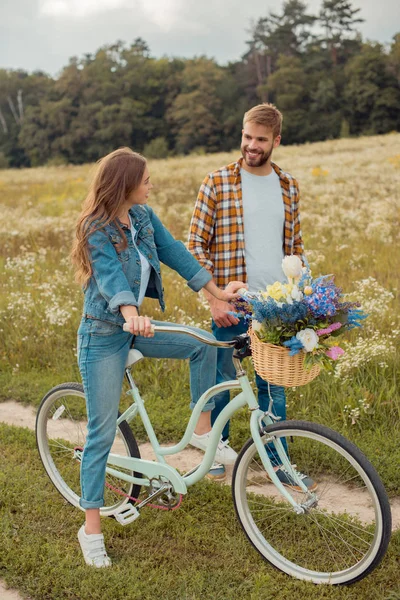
pixel 116 274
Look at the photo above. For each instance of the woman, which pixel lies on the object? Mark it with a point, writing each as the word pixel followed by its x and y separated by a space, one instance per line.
pixel 119 245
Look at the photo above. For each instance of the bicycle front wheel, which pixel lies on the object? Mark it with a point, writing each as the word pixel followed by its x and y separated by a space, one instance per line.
pixel 61 427
pixel 345 528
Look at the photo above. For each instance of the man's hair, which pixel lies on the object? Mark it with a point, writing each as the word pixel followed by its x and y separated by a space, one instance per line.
pixel 265 114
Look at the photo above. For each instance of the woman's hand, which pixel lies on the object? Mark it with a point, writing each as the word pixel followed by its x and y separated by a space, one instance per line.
pixel 140 326
pixel 135 324
pixel 231 291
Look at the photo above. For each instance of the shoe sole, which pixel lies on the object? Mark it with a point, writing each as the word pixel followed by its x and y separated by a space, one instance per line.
pixel 295 488
pixel 212 477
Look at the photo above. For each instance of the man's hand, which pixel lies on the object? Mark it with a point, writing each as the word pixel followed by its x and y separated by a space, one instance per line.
pixel 219 312
pixel 219 302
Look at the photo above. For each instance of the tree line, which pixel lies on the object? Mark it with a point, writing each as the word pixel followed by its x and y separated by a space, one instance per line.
pixel 316 68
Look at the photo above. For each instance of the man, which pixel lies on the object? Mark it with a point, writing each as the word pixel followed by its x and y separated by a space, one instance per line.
pixel 245 220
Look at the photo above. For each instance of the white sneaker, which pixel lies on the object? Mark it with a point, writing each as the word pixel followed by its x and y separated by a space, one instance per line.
pixel 224 454
pixel 93 548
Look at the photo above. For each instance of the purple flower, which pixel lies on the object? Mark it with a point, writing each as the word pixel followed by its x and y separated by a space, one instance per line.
pixel 329 329
pixel 334 352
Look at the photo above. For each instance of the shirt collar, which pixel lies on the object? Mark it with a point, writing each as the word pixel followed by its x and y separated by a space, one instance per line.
pixel 278 170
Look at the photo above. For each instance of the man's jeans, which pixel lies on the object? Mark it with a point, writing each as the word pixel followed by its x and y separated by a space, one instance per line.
pixel 102 353
pixel 226 371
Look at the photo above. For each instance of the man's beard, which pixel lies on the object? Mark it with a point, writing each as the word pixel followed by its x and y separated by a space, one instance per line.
pixel 257 161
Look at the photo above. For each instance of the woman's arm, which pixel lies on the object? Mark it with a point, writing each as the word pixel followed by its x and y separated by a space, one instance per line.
pixel 108 273
pixel 226 295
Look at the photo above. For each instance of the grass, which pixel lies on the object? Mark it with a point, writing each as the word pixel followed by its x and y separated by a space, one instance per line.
pixel 197 552
pixel 350 221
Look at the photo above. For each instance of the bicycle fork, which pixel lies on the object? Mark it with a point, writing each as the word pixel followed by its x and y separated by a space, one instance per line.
pixel 299 509
pixel 256 420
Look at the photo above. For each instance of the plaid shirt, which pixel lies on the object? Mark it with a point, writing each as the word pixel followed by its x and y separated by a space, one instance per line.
pixel 216 236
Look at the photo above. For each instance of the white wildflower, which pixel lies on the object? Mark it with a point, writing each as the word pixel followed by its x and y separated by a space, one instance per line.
pixel 308 338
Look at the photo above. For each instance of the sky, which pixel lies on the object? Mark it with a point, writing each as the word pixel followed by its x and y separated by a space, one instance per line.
pixel 44 34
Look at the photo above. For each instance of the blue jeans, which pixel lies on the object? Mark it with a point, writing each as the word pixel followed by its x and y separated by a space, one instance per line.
pixel 102 353
pixel 226 371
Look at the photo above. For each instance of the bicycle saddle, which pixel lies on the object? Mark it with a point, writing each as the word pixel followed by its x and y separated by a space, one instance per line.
pixel 133 357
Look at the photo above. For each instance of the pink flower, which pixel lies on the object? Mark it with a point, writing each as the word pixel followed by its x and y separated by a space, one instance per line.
pixel 329 329
pixel 334 352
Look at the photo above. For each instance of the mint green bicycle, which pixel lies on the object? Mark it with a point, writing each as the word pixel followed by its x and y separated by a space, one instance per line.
pixel 346 520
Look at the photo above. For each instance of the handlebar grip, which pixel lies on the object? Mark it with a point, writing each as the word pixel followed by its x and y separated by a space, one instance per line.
pixel 125 327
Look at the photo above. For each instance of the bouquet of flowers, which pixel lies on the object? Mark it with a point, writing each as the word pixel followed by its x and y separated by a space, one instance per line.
pixel 304 315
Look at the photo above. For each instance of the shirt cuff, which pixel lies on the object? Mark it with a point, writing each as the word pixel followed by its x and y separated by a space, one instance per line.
pixel 199 280
pixel 122 299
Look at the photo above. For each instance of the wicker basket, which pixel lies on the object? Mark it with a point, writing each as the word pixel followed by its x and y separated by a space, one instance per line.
pixel 274 364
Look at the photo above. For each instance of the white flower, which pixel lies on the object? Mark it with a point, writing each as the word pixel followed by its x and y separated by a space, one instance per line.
pixel 256 325
pixel 292 266
pixel 296 294
pixel 308 338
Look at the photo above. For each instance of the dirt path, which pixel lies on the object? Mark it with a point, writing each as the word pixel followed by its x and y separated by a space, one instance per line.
pixel 8 594
pixel 13 413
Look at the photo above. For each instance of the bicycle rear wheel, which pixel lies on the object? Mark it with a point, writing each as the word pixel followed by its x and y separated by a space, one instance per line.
pixel 345 529
pixel 61 426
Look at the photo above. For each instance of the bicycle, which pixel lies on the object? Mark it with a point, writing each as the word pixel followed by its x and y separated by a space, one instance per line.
pixel 282 523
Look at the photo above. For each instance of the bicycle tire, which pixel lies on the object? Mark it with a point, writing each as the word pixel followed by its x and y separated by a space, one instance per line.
pixel 59 438
pixel 350 540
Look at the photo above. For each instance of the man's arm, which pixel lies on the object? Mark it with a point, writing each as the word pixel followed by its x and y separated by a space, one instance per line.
pixel 202 224
pixel 298 246
pixel 201 233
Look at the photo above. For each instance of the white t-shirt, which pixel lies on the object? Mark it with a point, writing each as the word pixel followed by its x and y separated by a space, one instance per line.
pixel 145 268
pixel 264 219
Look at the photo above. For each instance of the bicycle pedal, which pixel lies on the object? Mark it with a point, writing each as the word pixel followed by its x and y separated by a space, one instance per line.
pixel 126 514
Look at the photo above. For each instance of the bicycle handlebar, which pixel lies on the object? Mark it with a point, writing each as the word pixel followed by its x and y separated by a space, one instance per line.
pixel 187 331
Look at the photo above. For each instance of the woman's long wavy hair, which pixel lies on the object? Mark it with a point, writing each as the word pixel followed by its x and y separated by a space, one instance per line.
pixel 118 175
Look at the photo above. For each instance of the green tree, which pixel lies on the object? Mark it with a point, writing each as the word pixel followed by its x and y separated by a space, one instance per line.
pixel 285 34
pixel 195 114
pixel 372 94
pixel 43 133
pixel 394 57
pixel 339 19
pixel 18 92
pixel 289 85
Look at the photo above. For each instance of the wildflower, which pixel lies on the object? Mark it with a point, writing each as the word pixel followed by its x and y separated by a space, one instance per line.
pixel 256 325
pixel 292 266
pixel 276 291
pixel 328 330
pixel 334 352
pixel 294 344
pixel 308 338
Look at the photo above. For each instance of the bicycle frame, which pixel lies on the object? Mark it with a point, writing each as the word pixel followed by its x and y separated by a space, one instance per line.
pixel 160 468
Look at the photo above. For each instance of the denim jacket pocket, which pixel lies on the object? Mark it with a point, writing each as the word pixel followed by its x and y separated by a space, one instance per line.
pixel 146 234
pixel 116 241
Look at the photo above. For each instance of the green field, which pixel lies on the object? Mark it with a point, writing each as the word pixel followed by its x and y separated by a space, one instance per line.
pixel 350 220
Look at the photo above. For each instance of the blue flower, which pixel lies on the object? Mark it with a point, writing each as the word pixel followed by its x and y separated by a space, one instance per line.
pixel 354 316
pixel 294 344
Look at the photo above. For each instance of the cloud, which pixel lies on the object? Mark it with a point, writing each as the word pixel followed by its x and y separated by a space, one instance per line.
pixel 163 13
pixel 77 8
